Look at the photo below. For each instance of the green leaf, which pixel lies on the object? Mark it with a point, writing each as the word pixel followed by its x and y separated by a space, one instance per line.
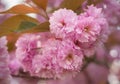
pixel 72 4
pixel 43 27
pixel 24 25
pixel 12 38
pixel 13 23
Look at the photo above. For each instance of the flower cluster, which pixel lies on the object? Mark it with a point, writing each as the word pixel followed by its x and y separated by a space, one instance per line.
pixel 48 58
pixel 61 51
pixel 85 30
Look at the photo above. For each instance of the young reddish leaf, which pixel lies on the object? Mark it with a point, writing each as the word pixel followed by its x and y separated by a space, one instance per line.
pixel 94 2
pixel 43 27
pixel 12 38
pixel 72 4
pixel 21 9
pixel 41 3
pixel 13 23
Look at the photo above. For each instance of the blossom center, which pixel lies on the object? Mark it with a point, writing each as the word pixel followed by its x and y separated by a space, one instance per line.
pixel 69 57
pixel 63 23
pixel 86 29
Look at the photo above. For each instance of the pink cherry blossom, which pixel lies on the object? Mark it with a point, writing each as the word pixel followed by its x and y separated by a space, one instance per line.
pixel 98 15
pixel 87 29
pixel 92 30
pixel 26 49
pixel 4 71
pixel 93 11
pixel 3 58
pixel 62 23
